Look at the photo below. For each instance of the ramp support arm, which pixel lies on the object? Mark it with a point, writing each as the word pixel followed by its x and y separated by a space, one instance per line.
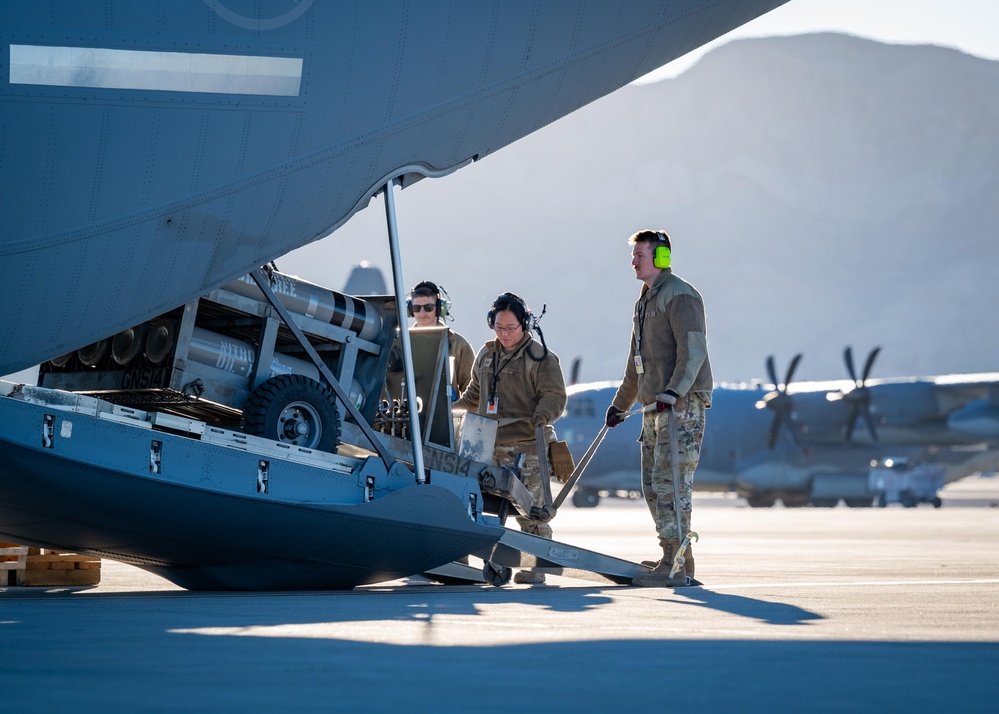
pixel 407 346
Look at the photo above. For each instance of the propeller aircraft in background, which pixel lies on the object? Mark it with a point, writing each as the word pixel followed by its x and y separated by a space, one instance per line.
pixel 820 439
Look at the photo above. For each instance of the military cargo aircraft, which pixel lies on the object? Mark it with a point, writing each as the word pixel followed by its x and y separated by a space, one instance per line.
pixel 155 158
pixel 800 442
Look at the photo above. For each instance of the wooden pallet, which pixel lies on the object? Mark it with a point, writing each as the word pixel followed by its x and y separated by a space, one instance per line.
pixel 25 566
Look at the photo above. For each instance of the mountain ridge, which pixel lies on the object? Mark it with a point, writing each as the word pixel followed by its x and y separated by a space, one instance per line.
pixel 821 190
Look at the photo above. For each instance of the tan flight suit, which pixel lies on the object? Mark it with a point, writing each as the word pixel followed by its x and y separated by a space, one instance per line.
pixel 461 355
pixel 524 388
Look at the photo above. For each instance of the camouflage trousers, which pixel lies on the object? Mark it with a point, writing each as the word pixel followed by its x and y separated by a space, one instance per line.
pixel 503 455
pixel 657 466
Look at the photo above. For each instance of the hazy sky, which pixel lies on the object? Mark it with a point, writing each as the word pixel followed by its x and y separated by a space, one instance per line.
pixel 971 26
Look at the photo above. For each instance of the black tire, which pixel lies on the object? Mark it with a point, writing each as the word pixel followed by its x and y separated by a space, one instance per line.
pixel 858 502
pixel 496 575
pixel 294 409
pixel 937 502
pixel 585 498
pixel 760 500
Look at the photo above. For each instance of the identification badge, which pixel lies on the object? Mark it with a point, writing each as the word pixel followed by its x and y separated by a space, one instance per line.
pixel 492 406
pixel 638 364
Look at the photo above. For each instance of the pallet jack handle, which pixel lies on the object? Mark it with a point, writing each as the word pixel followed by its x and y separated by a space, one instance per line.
pixel 583 462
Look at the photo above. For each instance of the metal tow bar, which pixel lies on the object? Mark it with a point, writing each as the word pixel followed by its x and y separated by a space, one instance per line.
pixel 581 466
pixel 679 560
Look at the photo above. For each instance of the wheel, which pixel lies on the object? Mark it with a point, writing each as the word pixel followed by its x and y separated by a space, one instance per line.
pixel 825 502
pixel 585 498
pixel 858 502
pixel 760 500
pixel 882 501
pixel 908 499
pixel 936 502
pixel 294 409
pixel 498 575
pixel 795 500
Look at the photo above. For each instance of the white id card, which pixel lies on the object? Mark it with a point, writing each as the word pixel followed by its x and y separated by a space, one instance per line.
pixel 638 364
pixel 492 406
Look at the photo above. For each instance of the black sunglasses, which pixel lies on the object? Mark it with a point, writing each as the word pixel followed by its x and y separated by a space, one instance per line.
pixel 426 308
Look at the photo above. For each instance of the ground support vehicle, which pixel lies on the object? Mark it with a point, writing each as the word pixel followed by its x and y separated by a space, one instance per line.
pixel 899 480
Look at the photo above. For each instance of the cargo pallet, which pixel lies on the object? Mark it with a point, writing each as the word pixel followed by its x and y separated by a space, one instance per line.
pixel 25 566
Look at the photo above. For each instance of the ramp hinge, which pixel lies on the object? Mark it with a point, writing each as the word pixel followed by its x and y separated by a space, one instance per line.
pixel 48 431
pixel 155 456
pixel 263 475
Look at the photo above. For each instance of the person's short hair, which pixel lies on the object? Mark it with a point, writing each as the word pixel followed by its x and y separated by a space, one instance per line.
pixel 512 303
pixel 425 288
pixel 648 235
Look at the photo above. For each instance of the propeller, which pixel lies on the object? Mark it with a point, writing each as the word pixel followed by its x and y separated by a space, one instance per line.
pixel 859 398
pixel 779 401
pixel 574 373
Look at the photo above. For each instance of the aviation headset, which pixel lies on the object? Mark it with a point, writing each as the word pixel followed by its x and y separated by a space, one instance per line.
pixel 518 306
pixel 429 289
pixel 513 303
pixel 662 252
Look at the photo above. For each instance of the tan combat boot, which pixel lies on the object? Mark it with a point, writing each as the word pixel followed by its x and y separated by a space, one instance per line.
pixel 654 563
pixel 689 567
pixel 529 577
pixel 659 577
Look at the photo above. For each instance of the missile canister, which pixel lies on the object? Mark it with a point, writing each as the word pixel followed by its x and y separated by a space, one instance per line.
pixel 237 357
pixel 305 298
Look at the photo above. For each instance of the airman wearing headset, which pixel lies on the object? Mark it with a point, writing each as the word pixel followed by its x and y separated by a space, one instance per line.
pixel 667 367
pixel 428 305
pixel 518 381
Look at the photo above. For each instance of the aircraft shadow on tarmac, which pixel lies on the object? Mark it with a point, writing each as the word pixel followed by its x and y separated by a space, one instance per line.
pixel 219 651
pixel 177 650
pixel 422 602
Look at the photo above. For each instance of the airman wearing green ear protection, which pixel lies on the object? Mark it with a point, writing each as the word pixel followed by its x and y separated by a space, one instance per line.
pixel 667 367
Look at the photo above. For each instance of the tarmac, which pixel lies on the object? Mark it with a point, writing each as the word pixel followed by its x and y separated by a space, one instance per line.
pixel 803 609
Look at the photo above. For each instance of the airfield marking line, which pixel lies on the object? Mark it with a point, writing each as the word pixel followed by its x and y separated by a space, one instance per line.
pixel 858 583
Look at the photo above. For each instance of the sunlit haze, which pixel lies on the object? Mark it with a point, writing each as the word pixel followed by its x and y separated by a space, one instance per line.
pixel 966 25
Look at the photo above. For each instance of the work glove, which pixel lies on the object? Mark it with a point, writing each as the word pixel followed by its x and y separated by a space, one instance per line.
pixel 395 360
pixel 539 420
pixel 664 400
pixel 613 419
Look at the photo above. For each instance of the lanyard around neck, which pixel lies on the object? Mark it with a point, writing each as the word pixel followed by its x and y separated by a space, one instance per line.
pixel 496 372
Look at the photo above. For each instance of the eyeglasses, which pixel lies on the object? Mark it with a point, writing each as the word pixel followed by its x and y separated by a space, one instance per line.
pixel 506 330
pixel 426 308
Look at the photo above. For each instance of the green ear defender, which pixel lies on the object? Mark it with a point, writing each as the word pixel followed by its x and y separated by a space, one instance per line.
pixel 662 254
